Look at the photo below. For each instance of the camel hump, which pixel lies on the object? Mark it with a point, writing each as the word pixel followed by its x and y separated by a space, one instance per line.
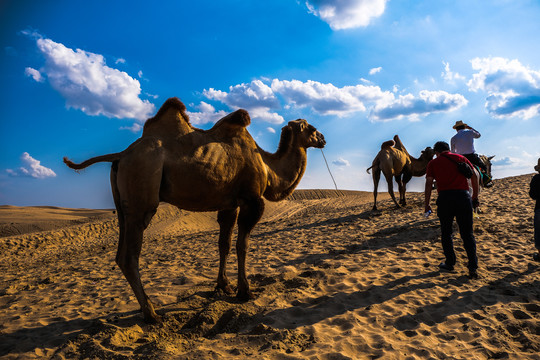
pixel 388 144
pixel 239 117
pixel 399 145
pixel 232 124
pixel 170 120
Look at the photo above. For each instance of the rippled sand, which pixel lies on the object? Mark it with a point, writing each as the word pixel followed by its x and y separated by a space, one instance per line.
pixel 333 280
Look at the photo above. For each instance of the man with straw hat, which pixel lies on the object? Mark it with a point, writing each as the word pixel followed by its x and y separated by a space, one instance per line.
pixel 534 193
pixel 463 143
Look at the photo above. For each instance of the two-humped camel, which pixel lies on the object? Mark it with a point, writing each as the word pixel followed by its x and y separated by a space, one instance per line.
pixel 221 169
pixel 394 161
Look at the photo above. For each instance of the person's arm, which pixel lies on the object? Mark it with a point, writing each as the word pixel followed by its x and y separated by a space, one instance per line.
pixel 427 193
pixel 476 134
pixel 474 181
pixel 453 144
pixel 535 184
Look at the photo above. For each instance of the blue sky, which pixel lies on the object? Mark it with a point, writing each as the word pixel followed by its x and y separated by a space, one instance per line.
pixel 80 78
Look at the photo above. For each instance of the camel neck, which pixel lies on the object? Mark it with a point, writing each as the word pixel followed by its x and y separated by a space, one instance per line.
pixel 419 166
pixel 285 169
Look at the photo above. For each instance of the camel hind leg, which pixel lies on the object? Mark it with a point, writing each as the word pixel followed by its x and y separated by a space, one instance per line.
pixel 137 200
pixel 118 205
pixel 226 220
pixel 376 178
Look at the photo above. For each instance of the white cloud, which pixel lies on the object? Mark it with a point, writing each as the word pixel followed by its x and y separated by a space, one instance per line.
pixel 346 14
pixel 151 95
pixel 256 97
pixel 425 103
pixel 88 84
pixel 505 161
pixel 120 61
pixel 512 88
pixel 271 130
pixel 327 99
pixel 449 75
pixel 266 115
pixel 34 74
pixel 515 155
pixel 135 128
pixel 206 114
pixel 32 168
pixel 341 162
pixel 375 70
pixel 513 165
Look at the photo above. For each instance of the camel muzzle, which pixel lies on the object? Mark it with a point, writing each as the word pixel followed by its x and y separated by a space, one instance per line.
pixel 321 142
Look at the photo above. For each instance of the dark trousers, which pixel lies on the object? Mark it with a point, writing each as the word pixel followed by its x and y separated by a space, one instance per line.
pixel 475 160
pixel 537 229
pixel 457 203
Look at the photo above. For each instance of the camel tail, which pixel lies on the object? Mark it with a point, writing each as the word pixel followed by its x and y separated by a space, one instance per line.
pixel 367 170
pixel 84 164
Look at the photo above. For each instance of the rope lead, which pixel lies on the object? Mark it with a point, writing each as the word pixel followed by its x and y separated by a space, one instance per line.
pixel 326 162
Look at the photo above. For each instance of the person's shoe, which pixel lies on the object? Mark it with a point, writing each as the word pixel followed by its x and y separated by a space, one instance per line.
pixel 536 256
pixel 445 267
pixel 473 274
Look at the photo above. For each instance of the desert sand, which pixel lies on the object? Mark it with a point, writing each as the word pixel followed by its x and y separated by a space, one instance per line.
pixel 332 279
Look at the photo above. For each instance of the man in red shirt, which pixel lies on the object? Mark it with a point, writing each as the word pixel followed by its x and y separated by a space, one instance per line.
pixel 454 200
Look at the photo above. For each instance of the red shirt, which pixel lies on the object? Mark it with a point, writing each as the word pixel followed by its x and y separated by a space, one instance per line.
pixel 446 174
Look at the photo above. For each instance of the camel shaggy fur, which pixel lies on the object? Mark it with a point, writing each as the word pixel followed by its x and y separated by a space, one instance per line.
pixel 221 169
pixel 394 161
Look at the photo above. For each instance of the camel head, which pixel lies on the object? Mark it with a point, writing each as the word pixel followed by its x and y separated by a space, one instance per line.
pixel 487 161
pixel 427 153
pixel 304 134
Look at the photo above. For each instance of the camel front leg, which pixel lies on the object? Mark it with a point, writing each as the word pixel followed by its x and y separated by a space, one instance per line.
pixel 226 220
pixel 401 189
pixel 250 213
pixel 391 188
pixel 407 176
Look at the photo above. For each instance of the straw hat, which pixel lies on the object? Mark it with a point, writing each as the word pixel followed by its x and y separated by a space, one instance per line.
pixel 537 167
pixel 459 123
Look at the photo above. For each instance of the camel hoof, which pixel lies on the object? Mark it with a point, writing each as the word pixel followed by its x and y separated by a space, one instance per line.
pixel 152 319
pixel 226 289
pixel 245 296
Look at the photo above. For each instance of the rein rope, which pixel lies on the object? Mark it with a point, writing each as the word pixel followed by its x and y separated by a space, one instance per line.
pixel 326 162
pixel 370 250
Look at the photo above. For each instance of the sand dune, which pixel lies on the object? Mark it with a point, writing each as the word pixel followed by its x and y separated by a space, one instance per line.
pixel 332 280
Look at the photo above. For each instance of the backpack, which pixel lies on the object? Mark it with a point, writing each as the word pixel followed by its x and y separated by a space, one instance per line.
pixel 464 168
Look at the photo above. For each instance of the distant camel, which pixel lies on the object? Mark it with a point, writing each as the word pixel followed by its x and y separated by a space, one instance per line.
pixel 394 161
pixel 221 169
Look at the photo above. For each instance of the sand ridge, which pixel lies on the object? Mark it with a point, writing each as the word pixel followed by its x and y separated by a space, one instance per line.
pixel 332 279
